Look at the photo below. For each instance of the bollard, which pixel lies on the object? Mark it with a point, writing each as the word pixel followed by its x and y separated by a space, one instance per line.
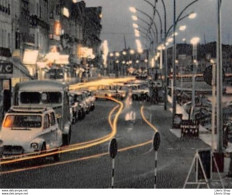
pixel 113 149
pixel 156 144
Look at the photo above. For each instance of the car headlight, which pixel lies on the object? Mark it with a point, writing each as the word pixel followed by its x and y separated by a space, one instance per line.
pixel 35 146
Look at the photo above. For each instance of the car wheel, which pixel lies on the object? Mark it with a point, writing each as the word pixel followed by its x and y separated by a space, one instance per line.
pixel 79 115
pixel 74 119
pixel 83 114
pixel 57 156
pixel 66 139
pixel 43 148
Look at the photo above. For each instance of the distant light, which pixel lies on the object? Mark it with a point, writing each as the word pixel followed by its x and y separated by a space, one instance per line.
pixel 137 33
pixel 161 47
pixel 100 15
pixel 195 40
pixel 182 28
pixel 57 28
pixel 75 1
pixel 192 16
pixel 184 39
pixel 117 54
pixel 132 51
pixel 170 40
pixel 175 34
pixel 105 51
pixel 135 25
pixel 145 60
pixel 111 54
pixel 124 53
pixel 132 9
pixel 135 18
pixel 65 12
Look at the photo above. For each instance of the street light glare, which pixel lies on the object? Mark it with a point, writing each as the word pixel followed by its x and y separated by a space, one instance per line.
pixel 193 15
pixel 135 18
pixel 132 9
pixel 182 28
pixel 170 40
pixel 132 51
pixel 135 25
pixel 195 40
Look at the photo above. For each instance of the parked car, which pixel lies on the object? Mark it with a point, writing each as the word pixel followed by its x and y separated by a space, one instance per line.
pixel 90 98
pixel 139 91
pixel 75 108
pixel 29 130
pixel 80 98
pixel 47 93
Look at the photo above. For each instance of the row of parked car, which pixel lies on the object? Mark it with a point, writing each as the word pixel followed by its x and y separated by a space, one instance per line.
pixel 81 103
pixel 40 120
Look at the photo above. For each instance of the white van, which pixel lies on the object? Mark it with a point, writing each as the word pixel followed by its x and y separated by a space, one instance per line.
pixel 50 94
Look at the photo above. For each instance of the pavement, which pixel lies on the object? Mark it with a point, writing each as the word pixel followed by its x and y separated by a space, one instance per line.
pixel 206 137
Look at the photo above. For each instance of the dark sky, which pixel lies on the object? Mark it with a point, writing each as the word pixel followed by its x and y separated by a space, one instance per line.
pixel 117 20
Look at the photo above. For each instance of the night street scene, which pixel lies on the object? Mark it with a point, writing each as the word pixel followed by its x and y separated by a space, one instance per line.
pixel 122 94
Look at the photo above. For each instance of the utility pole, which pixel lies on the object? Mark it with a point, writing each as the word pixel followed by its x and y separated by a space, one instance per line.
pixel 174 64
pixel 219 81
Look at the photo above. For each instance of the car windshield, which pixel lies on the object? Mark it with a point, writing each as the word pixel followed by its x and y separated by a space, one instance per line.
pixel 37 97
pixel 51 97
pixel 30 97
pixel 22 121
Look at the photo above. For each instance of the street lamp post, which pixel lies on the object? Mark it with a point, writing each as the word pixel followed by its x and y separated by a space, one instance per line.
pixel 194 41
pixel 174 65
pixel 134 10
pixel 219 80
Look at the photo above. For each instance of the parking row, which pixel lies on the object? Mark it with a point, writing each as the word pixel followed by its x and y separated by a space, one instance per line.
pixel 81 103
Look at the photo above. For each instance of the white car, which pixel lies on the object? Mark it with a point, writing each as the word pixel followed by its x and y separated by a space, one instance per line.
pixel 80 98
pixel 29 130
pixel 90 98
pixel 75 108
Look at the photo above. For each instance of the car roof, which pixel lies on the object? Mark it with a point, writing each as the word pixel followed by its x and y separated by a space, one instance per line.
pixel 29 109
pixel 42 85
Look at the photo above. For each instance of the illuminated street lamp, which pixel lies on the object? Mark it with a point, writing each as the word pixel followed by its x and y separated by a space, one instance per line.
pixel 117 54
pixel 132 9
pixel 182 28
pixel 124 53
pixel 192 15
pixel 132 52
pixel 135 18
pixel 135 25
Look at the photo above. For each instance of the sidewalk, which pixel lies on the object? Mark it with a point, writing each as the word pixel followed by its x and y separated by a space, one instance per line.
pixel 206 137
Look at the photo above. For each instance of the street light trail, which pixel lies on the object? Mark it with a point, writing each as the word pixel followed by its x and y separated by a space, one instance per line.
pixel 78 147
pixel 144 118
pixel 92 156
